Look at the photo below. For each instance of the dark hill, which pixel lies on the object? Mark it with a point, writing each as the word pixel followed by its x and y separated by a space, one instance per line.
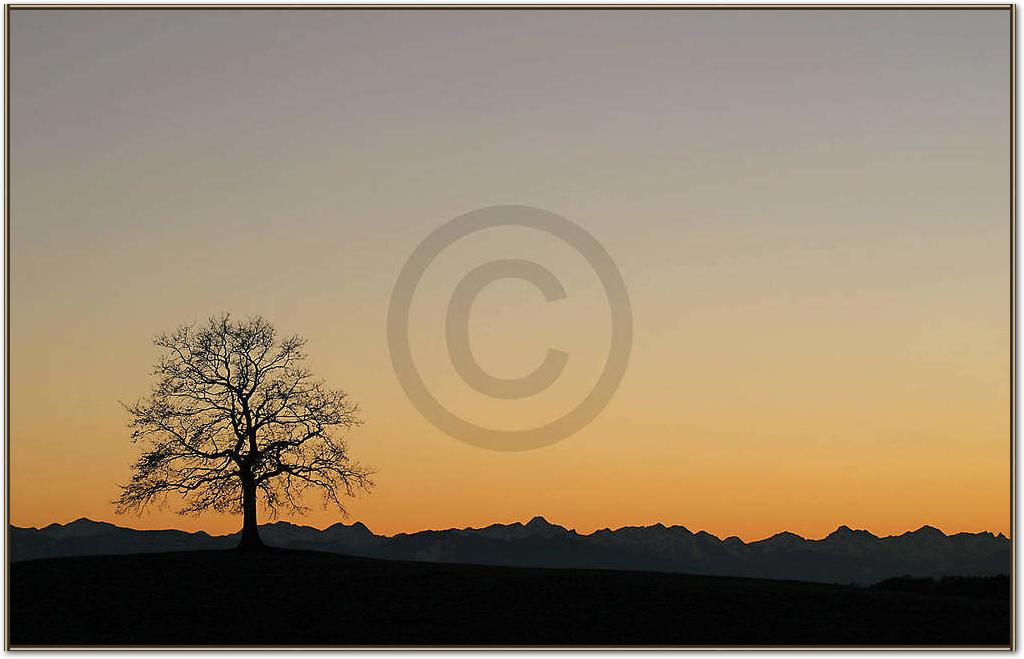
pixel 283 597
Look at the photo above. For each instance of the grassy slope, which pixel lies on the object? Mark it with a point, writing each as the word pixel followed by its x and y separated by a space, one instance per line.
pixel 284 597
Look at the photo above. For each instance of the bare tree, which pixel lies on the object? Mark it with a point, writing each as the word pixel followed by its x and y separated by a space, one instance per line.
pixel 235 416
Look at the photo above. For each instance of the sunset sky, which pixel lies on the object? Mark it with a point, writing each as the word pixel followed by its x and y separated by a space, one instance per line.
pixel 810 210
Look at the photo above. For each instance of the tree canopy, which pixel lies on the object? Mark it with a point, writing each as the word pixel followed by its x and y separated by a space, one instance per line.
pixel 235 416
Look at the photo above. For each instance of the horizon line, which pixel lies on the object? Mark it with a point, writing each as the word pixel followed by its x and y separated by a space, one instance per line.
pixel 535 518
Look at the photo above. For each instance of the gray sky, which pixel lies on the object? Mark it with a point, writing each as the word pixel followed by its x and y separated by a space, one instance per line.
pixel 810 210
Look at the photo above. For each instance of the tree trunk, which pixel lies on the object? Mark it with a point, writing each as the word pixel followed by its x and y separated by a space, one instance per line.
pixel 250 530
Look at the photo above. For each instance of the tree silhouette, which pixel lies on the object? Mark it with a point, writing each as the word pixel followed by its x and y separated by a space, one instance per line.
pixel 234 416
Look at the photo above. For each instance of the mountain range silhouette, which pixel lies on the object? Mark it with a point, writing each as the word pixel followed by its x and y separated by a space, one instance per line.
pixel 844 556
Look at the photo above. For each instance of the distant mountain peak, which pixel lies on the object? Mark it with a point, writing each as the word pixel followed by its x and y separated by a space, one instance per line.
pixel 81 522
pixel 928 531
pixel 844 532
pixel 82 526
pixel 541 527
pixel 353 525
pixel 285 525
pixel 782 539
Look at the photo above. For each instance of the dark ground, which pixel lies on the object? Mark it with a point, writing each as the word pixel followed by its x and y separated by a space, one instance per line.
pixel 284 597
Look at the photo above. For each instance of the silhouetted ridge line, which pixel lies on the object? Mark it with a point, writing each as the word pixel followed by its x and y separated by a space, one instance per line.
pixel 844 556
